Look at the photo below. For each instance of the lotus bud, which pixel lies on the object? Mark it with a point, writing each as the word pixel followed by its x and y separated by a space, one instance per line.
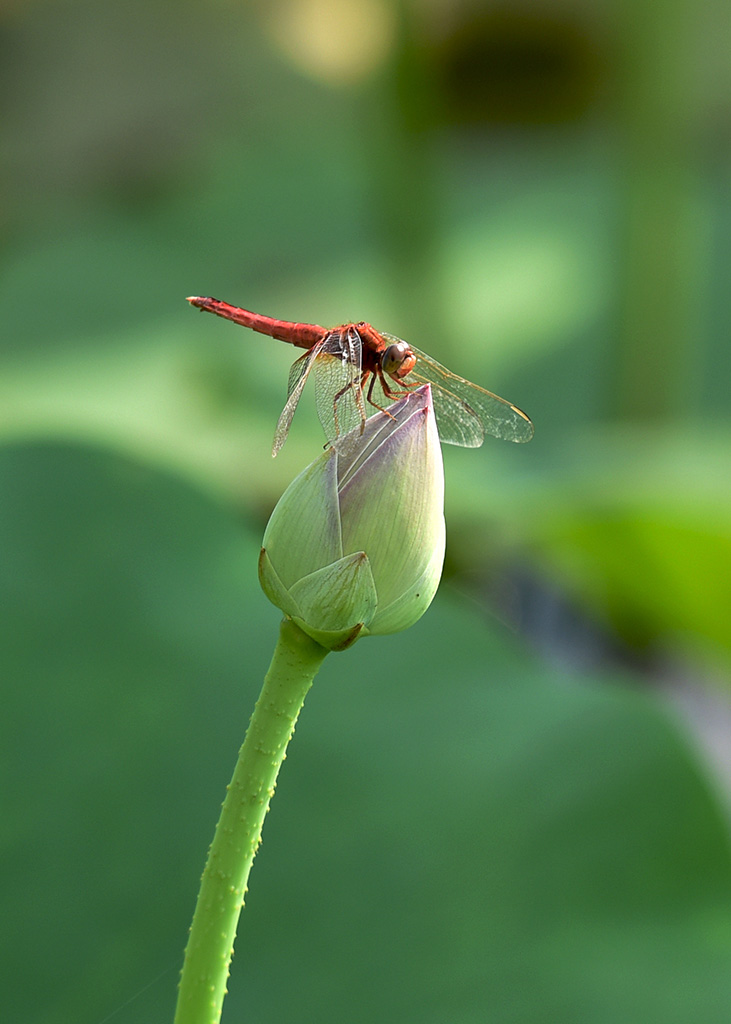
pixel 355 546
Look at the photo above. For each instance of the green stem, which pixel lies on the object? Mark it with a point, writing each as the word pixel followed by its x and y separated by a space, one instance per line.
pixel 296 660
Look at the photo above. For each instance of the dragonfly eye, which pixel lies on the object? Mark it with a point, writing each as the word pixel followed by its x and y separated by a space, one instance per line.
pixel 398 360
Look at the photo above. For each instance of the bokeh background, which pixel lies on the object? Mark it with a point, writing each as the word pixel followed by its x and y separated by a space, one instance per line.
pixel 518 810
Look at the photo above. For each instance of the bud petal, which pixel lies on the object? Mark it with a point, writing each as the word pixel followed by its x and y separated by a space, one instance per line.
pixel 304 528
pixel 411 605
pixel 273 587
pixel 391 506
pixel 339 594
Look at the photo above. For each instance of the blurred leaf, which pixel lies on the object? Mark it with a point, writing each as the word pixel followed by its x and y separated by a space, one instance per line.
pixel 457 835
pixel 634 524
pixel 657 579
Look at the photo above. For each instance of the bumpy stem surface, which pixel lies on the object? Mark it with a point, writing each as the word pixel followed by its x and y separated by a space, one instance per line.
pixel 208 954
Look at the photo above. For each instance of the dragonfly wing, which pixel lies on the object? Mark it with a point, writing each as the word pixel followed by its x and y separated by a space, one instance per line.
pixel 298 374
pixel 464 411
pixel 338 392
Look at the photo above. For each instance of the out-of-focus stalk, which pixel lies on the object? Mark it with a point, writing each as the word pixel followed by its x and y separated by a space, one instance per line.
pixel 665 225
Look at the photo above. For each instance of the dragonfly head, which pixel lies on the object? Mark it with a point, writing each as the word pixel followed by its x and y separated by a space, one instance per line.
pixel 398 360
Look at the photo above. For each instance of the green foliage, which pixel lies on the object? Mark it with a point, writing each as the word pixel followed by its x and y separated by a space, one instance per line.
pixel 459 834
pixel 636 524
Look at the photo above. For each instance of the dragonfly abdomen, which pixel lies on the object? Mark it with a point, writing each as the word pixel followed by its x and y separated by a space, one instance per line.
pixel 301 335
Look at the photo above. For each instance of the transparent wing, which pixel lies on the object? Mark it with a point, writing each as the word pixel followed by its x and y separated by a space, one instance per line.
pixel 298 374
pixel 338 392
pixel 464 411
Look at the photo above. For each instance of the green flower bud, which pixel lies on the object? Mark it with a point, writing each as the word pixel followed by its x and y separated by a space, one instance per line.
pixel 356 542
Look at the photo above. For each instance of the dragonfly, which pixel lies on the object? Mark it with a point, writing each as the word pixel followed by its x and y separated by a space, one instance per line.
pixel 354 366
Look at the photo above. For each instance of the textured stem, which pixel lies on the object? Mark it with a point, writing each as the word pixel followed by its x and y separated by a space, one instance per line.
pixel 296 660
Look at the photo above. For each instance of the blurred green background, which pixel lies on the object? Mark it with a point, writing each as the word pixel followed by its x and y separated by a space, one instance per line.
pixel 517 810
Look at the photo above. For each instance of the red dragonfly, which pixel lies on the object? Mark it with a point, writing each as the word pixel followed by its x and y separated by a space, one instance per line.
pixel 356 360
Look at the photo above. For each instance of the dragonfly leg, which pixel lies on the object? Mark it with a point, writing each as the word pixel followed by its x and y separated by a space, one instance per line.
pixel 388 392
pixel 369 397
